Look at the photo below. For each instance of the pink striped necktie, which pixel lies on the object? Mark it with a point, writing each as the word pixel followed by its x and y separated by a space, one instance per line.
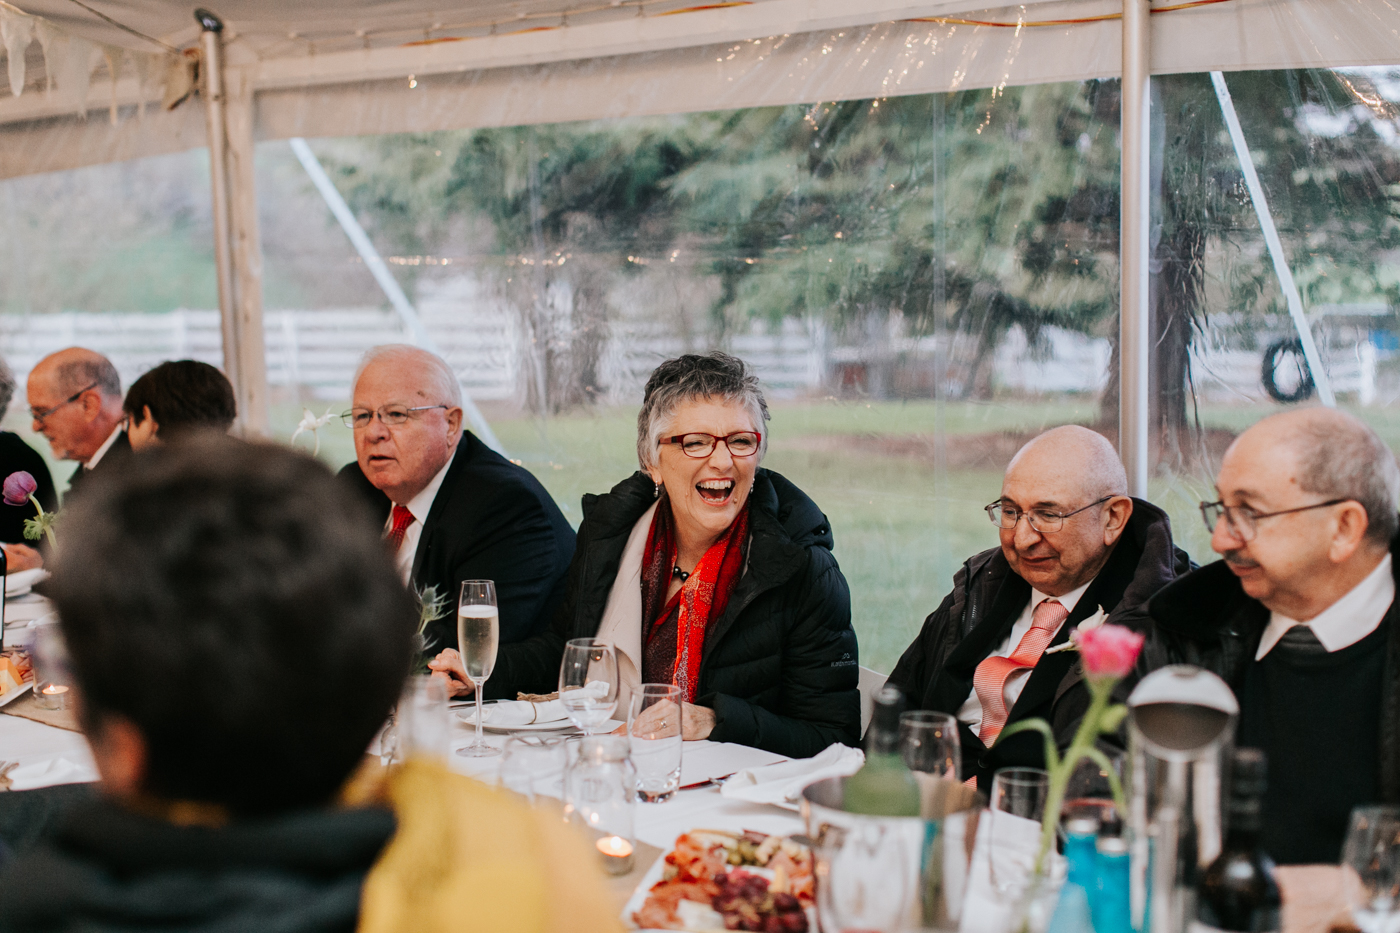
pixel 989 681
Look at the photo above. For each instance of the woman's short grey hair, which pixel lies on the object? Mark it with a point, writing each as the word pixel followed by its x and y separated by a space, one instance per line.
pixel 687 378
pixel 437 374
pixel 7 386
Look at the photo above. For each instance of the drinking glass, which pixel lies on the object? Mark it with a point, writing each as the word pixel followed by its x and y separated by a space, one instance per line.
pixel 533 766
pixel 654 724
pixel 588 683
pixel 424 721
pixel 1372 851
pixel 1015 813
pixel 478 636
pixel 601 795
pixel 929 743
pixel 863 879
pixel 53 669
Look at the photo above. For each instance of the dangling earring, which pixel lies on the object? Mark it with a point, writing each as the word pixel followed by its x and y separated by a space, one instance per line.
pixel 656 492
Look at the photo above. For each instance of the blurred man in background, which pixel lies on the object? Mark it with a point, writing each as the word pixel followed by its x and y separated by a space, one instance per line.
pixel 176 397
pixel 75 399
pixel 237 639
pixel 451 508
pixel 1299 618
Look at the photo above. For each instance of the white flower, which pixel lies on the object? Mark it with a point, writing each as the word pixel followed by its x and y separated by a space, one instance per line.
pixel 1089 624
pixel 310 423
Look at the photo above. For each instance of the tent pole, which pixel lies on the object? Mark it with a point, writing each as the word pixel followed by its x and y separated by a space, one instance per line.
pixel 1134 321
pixel 212 80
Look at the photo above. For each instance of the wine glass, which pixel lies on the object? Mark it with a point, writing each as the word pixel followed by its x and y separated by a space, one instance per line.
pixel 1372 851
pixel 928 742
pixel 1016 810
pixel 478 637
pixel 588 682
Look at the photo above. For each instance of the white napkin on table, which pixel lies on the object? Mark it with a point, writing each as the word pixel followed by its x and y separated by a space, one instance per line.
pixel 48 773
pixel 21 582
pixel 1013 842
pixel 526 712
pixel 783 782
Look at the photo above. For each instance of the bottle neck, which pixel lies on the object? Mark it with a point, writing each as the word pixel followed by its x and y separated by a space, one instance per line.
pixel 1245 823
pixel 882 740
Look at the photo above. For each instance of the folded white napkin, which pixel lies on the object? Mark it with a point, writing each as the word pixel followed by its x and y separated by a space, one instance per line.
pixel 525 712
pixel 21 582
pixel 48 773
pixel 1012 842
pixel 783 782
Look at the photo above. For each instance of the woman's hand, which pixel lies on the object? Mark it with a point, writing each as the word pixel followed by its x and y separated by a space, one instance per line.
pixel 697 722
pixel 448 668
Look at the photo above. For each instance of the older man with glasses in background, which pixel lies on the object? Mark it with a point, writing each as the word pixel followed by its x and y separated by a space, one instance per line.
pixel 452 508
pixel 1300 620
pixel 1075 548
pixel 75 400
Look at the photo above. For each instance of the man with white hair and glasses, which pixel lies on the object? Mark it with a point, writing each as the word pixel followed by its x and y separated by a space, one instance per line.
pixel 1299 618
pixel 453 509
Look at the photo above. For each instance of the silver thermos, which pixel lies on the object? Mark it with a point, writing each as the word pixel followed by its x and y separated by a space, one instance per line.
pixel 1181 726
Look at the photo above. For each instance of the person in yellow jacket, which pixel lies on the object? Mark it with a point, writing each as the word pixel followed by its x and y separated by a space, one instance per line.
pixel 237 636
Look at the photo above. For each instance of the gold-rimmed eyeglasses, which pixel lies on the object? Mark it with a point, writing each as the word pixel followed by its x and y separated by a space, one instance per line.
pixel 1042 520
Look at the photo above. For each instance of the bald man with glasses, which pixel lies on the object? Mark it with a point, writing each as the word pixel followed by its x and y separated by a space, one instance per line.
pixel 1074 548
pixel 1299 618
pixel 452 508
pixel 75 401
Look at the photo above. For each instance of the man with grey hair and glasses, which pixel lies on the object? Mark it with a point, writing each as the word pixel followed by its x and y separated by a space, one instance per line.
pixel 1299 618
pixel 452 508
pixel 75 400
pixel 1075 549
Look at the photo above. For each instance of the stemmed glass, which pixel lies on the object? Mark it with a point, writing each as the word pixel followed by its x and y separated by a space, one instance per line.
pixel 1372 850
pixel 929 743
pixel 1016 810
pixel 478 636
pixel 588 682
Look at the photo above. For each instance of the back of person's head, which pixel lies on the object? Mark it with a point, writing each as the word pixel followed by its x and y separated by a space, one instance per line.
pixel 228 601
pixel 182 394
pixel 7 386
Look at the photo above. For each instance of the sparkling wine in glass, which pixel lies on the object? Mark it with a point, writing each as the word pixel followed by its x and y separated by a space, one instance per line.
pixel 588 683
pixel 478 637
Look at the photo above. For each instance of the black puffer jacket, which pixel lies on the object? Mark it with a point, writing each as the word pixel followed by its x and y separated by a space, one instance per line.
pixel 936 671
pixel 780 665
pixel 107 869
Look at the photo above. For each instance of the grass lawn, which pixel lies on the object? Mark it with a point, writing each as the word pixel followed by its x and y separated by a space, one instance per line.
pixel 902 529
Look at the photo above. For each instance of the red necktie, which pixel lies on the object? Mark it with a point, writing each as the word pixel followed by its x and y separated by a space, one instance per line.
pixel 402 519
pixel 990 679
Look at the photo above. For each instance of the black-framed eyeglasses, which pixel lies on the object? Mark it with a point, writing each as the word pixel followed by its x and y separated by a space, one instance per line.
pixel 1042 520
pixel 39 414
pixel 700 446
pixel 1244 521
pixel 361 418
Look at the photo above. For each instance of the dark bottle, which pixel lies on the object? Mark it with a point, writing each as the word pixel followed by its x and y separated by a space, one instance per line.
pixel 1238 891
pixel 884 786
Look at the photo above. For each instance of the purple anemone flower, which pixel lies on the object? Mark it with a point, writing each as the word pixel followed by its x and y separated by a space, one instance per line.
pixel 19 486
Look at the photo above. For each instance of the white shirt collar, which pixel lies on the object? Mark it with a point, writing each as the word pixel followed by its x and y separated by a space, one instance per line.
pixel 106 446
pixel 1345 622
pixel 1069 600
pixel 421 504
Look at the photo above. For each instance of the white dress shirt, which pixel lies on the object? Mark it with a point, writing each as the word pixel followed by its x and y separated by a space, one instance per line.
pixel 1345 622
pixel 971 710
pixel 106 446
pixel 420 505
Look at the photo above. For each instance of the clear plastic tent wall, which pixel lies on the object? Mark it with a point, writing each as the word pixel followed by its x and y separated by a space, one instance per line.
pixel 924 271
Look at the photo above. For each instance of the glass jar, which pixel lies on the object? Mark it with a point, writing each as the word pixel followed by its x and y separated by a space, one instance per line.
pixel 600 796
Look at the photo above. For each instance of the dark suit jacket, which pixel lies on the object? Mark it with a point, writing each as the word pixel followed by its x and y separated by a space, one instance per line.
pixel 490 520
pixel 936 671
pixel 16 455
pixel 118 452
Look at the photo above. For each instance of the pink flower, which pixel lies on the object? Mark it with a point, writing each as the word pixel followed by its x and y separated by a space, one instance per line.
pixel 1108 651
pixel 19 486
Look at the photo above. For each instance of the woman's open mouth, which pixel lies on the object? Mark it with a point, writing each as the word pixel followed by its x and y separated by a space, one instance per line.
pixel 715 491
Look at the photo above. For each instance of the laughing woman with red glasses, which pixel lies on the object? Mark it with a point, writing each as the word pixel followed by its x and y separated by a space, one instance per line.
pixel 705 571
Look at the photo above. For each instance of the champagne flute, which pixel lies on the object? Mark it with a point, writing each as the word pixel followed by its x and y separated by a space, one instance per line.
pixel 1372 852
pixel 588 682
pixel 478 637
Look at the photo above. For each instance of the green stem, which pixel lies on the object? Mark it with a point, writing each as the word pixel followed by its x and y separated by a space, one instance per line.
pixel 1061 771
pixel 45 521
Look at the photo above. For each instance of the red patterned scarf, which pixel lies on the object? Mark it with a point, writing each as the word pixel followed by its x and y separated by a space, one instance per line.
pixel 701 599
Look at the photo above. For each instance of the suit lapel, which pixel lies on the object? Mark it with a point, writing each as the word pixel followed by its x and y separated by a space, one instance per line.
pixel 953 684
pixel 465 448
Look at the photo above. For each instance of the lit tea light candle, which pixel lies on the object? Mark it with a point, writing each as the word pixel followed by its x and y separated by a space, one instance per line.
pixel 51 696
pixel 617 854
pixel 55 689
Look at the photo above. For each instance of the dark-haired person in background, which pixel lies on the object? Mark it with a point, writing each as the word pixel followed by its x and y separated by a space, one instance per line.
pixel 247 590
pixel 175 397
pixel 1300 619
pixel 75 400
pixel 16 455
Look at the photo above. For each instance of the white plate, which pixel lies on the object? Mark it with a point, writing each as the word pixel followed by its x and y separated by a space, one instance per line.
pixel 16 694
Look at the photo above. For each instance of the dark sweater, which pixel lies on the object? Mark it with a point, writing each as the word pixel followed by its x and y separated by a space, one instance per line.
pixel 1316 716
pixel 16 455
